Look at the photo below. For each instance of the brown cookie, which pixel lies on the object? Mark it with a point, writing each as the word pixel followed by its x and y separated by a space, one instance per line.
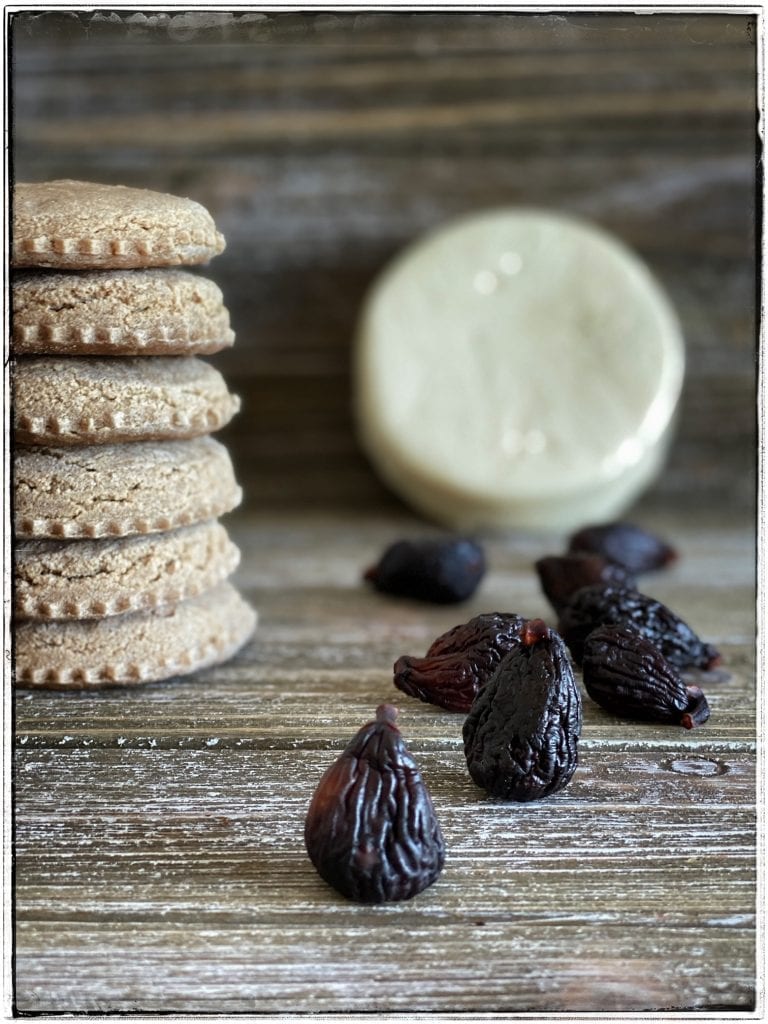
pixel 120 489
pixel 80 225
pixel 71 400
pixel 118 312
pixel 140 647
pixel 93 579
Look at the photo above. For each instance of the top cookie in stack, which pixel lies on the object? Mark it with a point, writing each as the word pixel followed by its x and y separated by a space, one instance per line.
pixel 120 563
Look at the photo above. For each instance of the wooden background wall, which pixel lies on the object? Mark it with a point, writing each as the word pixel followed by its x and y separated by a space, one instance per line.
pixel 324 142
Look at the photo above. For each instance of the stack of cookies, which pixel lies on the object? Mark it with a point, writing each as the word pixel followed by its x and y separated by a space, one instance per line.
pixel 120 563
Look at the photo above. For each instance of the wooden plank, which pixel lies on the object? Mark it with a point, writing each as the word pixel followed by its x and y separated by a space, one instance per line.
pixel 201 129
pixel 411 32
pixel 669 774
pixel 252 969
pixel 199 858
pixel 275 705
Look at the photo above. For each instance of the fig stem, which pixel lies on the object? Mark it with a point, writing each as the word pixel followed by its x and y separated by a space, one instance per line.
pixel 697 712
pixel 534 630
pixel 386 713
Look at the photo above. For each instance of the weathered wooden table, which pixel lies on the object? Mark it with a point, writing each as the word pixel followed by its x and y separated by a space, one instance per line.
pixel 160 857
pixel 158 849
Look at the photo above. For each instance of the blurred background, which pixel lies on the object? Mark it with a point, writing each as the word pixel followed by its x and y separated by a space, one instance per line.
pixel 322 143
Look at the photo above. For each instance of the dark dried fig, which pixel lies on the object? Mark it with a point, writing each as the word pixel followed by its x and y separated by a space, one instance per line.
pixel 562 575
pixel 627 545
pixel 521 736
pixel 600 605
pixel 460 662
pixel 629 676
pixel 371 829
pixel 443 571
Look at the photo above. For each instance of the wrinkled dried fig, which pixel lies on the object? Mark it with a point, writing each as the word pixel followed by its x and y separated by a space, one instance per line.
pixel 459 662
pixel 371 830
pixel 562 575
pixel 600 605
pixel 521 736
pixel 629 676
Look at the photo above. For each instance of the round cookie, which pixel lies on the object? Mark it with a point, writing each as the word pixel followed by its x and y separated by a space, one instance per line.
pixel 71 400
pixel 517 368
pixel 141 647
pixel 118 312
pixel 121 489
pixel 80 225
pixel 92 579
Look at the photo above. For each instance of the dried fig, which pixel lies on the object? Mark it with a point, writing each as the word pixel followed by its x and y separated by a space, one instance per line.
pixel 601 605
pixel 441 571
pixel 562 575
pixel 459 662
pixel 627 545
pixel 629 676
pixel 371 830
pixel 521 736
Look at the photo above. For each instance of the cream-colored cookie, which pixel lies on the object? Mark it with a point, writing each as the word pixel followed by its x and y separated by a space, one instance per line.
pixel 80 225
pixel 71 400
pixel 517 368
pixel 140 647
pixel 118 312
pixel 93 579
pixel 120 489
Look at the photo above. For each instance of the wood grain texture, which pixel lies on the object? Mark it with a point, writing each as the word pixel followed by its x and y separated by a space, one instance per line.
pixel 324 143
pixel 159 861
pixel 159 853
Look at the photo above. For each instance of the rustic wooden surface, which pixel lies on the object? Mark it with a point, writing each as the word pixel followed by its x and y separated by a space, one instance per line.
pixel 159 864
pixel 160 860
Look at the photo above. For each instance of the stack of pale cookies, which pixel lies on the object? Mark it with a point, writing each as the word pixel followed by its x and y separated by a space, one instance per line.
pixel 120 563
